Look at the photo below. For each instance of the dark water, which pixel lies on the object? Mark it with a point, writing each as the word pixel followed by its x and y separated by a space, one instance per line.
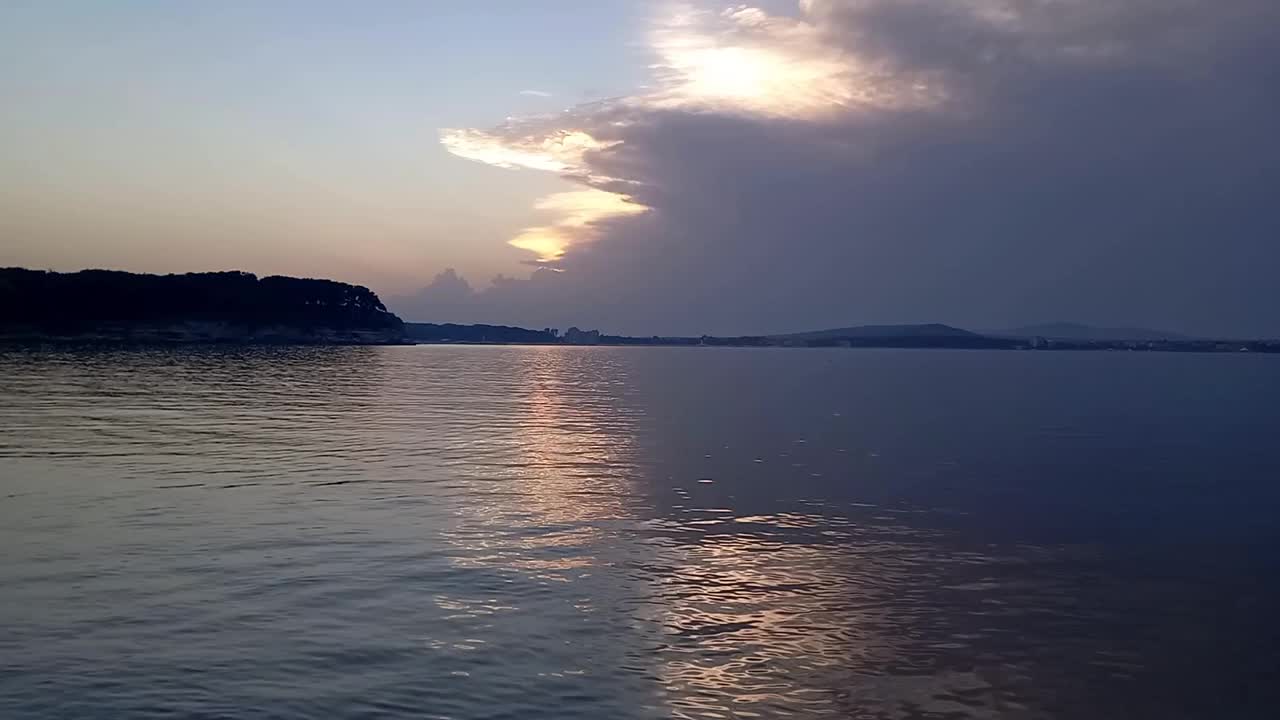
pixel 487 532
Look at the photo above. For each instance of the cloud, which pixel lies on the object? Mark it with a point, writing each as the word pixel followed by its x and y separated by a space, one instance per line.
pixel 535 93
pixel 983 162
pixel 578 213
pixel 743 59
pixel 539 148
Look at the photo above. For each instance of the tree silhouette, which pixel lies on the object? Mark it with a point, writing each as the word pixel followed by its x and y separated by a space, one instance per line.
pixel 63 302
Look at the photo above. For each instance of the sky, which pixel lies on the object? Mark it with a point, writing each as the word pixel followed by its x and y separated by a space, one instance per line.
pixel 665 167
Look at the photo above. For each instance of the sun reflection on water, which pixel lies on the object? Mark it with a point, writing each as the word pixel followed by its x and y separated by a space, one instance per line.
pixel 803 612
pixel 554 533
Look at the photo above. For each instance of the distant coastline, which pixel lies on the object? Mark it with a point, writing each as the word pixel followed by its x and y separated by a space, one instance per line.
pixel 928 336
pixel 94 307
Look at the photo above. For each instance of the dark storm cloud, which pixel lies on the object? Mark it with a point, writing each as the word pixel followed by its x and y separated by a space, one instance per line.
pixel 1111 162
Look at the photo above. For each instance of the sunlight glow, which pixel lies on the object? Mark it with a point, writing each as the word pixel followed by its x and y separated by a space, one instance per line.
pixel 545 242
pixel 580 208
pixel 745 60
pixel 558 151
pixel 748 61
pixel 742 60
pixel 578 211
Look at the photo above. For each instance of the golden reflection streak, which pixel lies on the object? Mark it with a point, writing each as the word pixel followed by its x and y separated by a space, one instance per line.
pixel 741 615
pixel 570 449
pixel 769 618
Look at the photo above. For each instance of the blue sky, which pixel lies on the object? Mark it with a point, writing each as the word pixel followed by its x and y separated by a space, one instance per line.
pixel 286 136
pixel 681 168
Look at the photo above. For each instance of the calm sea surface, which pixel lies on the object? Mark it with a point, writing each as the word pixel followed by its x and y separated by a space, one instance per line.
pixel 599 533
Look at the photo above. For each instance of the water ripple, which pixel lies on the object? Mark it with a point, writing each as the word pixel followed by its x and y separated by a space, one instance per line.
pixel 456 532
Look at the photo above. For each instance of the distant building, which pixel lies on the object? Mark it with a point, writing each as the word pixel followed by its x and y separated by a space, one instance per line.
pixel 574 336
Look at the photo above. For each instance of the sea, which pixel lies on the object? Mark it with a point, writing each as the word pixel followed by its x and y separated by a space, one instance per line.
pixel 528 533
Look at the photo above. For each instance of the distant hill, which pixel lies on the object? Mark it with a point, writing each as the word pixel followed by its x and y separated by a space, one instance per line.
pixel 930 330
pixel 1077 331
pixel 227 307
pixel 930 335
pixel 449 332
pixel 883 336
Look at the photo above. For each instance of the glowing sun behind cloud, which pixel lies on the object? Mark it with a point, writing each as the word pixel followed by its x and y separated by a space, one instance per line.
pixel 745 60
pixel 739 61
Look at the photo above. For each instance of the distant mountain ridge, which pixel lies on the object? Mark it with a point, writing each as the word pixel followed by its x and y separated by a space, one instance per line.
pixel 1080 331
pixel 928 335
pixel 927 330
